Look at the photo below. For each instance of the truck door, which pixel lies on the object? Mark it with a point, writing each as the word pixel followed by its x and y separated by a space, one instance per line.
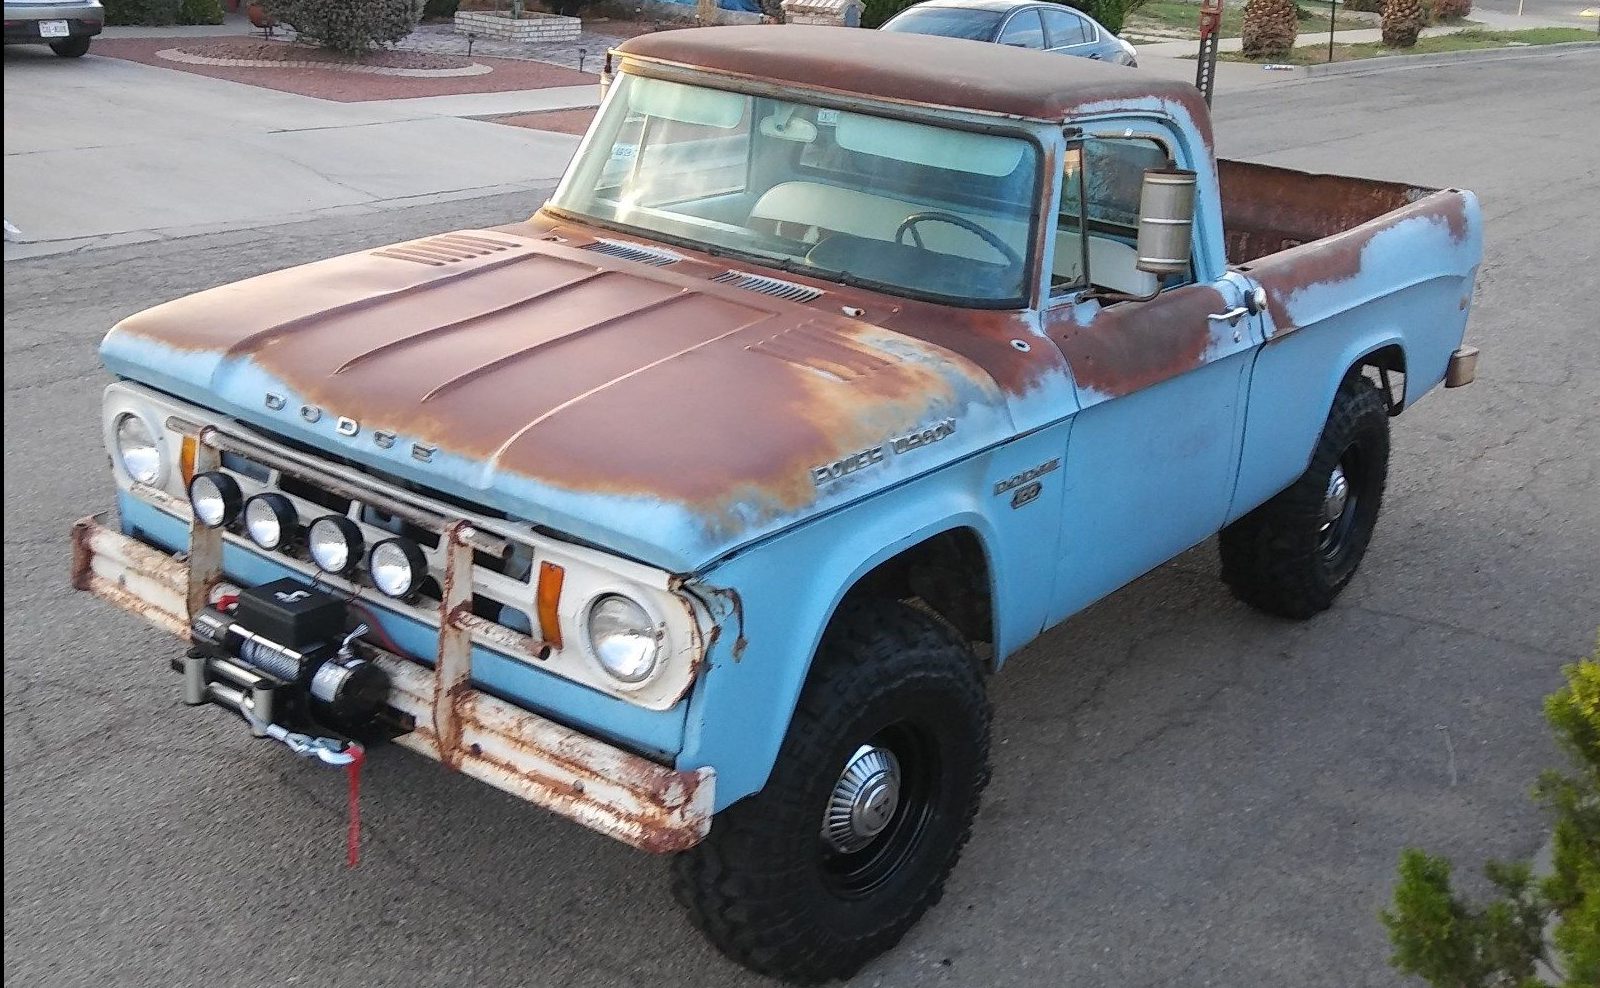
pixel 1161 372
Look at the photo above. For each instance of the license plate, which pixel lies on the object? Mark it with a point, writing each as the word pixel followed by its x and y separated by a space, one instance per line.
pixel 54 29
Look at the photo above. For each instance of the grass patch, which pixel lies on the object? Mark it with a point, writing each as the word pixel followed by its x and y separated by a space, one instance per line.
pixel 1176 20
pixel 1464 41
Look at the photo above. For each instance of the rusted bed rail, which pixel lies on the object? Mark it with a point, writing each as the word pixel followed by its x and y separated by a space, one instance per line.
pixel 1266 209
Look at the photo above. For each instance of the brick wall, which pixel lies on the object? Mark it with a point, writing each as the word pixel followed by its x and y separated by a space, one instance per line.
pixel 841 13
pixel 531 28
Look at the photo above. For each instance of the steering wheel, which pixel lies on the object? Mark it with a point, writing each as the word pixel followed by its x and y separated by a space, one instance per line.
pixel 1013 259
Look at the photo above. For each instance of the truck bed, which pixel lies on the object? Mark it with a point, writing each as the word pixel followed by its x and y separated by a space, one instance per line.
pixel 1266 209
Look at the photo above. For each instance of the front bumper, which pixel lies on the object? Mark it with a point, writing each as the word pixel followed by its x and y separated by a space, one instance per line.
pixel 614 792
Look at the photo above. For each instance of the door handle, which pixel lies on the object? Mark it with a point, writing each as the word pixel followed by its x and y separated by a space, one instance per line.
pixel 1231 316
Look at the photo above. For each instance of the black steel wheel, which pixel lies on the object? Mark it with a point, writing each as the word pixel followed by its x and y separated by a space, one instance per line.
pixel 1294 554
pixel 867 809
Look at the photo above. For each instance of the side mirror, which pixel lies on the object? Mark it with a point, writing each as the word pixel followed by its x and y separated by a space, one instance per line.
pixel 1166 219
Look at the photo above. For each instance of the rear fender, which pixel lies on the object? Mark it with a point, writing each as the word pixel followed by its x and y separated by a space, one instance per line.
pixel 1405 278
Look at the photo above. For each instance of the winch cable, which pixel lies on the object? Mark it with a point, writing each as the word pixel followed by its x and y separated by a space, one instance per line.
pixel 352 776
pixel 351 755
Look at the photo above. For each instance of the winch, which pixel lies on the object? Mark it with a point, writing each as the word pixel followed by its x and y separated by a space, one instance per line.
pixel 279 654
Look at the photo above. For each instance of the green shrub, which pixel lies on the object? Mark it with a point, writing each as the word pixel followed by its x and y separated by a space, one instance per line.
pixel 147 13
pixel 351 26
pixel 440 9
pixel 875 12
pixel 1451 943
pixel 200 12
pixel 1366 6
pixel 1110 13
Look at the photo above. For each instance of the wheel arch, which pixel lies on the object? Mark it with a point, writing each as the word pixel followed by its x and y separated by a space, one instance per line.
pixel 739 712
pixel 1385 358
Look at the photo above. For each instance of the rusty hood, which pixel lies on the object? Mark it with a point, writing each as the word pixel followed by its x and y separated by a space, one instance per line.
pixel 652 411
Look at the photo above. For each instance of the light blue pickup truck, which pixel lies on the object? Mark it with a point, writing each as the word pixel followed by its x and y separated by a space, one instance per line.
pixel 699 507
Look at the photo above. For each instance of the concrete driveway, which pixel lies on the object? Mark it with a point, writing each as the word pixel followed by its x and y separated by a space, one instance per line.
pixel 1185 793
pixel 100 148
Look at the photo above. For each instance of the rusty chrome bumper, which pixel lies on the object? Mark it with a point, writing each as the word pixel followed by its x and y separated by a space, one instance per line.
pixel 619 794
pixel 1462 369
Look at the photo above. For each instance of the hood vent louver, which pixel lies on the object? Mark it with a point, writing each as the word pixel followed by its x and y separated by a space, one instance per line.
pixel 769 286
pixel 634 252
pixel 447 249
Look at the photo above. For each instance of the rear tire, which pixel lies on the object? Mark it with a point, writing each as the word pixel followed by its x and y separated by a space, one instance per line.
pixel 1293 555
pixel 815 875
pixel 72 47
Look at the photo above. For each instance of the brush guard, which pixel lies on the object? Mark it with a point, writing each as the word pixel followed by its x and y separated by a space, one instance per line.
pixel 609 790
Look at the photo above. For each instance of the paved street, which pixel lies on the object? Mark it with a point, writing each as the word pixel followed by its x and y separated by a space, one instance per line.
pixel 1185 793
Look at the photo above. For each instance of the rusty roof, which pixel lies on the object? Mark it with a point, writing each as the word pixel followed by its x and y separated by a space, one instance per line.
pixel 915 68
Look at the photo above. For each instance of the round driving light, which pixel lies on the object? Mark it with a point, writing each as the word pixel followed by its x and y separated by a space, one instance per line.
pixel 335 543
pixel 215 498
pixel 270 520
pixel 624 640
pixel 397 567
pixel 140 453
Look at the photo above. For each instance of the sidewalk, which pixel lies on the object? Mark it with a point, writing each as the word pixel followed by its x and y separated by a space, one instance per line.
pixel 1188 48
pixel 1486 19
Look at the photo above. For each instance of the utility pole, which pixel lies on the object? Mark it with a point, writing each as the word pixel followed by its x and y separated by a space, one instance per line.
pixel 1330 29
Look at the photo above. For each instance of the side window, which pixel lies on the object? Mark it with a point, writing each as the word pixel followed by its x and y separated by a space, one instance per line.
pixel 1063 28
pixel 1023 30
pixel 1097 229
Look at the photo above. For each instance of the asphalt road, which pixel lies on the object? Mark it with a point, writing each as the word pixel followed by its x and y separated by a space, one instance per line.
pixel 1545 11
pixel 1185 793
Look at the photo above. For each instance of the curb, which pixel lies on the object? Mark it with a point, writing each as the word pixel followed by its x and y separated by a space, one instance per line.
pixel 179 55
pixel 1394 63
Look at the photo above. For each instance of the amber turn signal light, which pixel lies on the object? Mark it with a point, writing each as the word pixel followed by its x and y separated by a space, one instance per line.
pixel 549 596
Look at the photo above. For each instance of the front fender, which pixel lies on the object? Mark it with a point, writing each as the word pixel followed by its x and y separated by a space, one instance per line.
pixel 774 600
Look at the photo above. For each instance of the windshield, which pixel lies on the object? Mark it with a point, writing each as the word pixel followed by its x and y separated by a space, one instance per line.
pixel 949 22
pixel 904 207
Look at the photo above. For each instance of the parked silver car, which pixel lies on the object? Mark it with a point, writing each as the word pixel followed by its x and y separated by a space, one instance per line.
pixel 1049 27
pixel 65 25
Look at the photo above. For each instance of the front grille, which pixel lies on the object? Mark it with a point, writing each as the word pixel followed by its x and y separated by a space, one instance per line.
pixel 502 585
pixel 769 286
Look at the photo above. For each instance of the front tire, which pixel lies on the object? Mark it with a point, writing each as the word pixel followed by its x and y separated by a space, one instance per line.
pixel 72 47
pixel 1293 555
pixel 867 809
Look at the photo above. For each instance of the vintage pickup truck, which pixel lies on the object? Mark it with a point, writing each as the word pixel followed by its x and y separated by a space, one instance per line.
pixel 698 507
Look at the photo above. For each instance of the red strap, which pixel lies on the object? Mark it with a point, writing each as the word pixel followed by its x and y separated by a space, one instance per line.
pixel 352 774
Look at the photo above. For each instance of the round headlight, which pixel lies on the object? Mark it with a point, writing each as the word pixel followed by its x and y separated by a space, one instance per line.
pixel 140 453
pixel 215 498
pixel 335 543
pixel 397 567
pixel 624 640
pixel 270 520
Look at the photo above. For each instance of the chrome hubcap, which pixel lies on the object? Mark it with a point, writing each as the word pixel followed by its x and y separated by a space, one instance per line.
pixel 1336 497
pixel 863 800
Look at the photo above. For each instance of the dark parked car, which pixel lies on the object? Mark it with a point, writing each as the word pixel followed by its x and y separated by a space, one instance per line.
pixel 1019 23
